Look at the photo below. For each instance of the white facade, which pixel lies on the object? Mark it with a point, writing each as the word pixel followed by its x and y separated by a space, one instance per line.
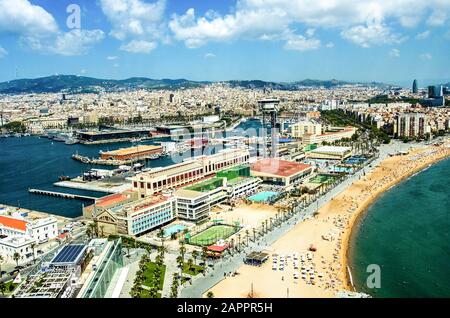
pixel 16 244
pixel 44 229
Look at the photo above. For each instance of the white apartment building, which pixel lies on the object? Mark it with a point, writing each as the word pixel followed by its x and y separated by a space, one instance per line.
pixel 17 244
pixel 298 130
pixel 41 229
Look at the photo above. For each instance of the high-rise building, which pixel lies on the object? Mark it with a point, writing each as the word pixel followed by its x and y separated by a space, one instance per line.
pixel 415 89
pixel 435 91
pixel 410 125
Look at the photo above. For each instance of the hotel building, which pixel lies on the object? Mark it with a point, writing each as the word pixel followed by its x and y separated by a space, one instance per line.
pixel 280 172
pixel 298 130
pixel 182 174
pixel 136 217
pixel 330 153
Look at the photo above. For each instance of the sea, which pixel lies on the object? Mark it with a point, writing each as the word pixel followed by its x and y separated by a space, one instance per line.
pixel 406 235
pixel 37 163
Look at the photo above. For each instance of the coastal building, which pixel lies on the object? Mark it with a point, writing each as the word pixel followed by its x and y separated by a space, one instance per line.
pixel 137 152
pixel 332 134
pixel 39 229
pixel 330 153
pixel 37 125
pixel 22 245
pixel 136 217
pixel 106 260
pixel 187 172
pixel 280 172
pixel 410 125
pixel 77 270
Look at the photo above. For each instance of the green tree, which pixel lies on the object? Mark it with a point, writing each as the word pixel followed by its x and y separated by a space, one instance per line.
pixel 194 256
pixel 1 261
pixel 210 294
pixel 16 257
pixel 2 287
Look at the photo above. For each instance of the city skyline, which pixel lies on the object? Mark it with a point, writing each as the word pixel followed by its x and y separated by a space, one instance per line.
pixel 226 40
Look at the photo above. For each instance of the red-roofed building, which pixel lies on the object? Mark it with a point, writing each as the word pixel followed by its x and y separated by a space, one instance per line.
pixel 13 226
pixel 280 172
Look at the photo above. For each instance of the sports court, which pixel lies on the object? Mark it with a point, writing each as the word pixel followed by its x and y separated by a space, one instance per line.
pixel 212 234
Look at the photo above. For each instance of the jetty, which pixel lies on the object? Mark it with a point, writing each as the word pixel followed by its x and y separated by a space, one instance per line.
pixel 61 194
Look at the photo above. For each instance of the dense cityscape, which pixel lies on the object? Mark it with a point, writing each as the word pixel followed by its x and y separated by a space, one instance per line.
pixel 133 187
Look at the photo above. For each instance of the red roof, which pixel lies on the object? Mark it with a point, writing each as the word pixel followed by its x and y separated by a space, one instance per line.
pixel 13 223
pixel 111 200
pixel 217 248
pixel 279 167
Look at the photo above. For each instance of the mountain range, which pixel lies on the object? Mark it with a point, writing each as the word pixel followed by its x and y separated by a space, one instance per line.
pixel 83 84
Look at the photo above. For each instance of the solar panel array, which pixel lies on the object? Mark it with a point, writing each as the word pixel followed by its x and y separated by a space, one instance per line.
pixel 68 254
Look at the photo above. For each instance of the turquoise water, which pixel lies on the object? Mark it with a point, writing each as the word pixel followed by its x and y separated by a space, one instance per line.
pixel 262 196
pixel 407 232
pixel 173 229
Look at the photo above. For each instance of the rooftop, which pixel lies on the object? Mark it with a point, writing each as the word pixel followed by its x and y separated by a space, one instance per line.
pixel 13 223
pixel 188 194
pixel 333 149
pixel 279 167
pixel 132 150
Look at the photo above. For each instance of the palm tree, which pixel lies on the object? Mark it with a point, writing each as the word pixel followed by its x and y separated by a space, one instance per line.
pixel 102 228
pixel 89 231
pixel 194 256
pixel 210 294
pixel 33 246
pixel 190 262
pixel 247 233
pixel 1 261
pixel 16 257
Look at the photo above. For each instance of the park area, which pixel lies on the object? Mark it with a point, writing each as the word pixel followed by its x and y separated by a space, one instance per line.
pixel 212 234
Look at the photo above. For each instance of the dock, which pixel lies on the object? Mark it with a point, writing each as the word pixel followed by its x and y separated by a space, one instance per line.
pixel 61 194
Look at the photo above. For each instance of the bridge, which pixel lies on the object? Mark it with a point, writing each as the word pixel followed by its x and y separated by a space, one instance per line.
pixel 61 194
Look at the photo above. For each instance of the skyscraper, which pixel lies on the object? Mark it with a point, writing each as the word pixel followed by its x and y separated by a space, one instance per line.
pixel 415 89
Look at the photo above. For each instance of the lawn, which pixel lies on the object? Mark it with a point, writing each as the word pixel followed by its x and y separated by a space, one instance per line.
pixel 149 275
pixel 193 270
pixel 145 294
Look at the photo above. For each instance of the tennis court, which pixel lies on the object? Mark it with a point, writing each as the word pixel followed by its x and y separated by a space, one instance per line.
pixel 321 178
pixel 212 234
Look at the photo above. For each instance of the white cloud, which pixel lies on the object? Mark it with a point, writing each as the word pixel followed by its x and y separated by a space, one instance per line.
pixel 395 53
pixel 209 55
pixel 3 52
pixel 423 35
pixel 373 33
pixel 138 46
pixel 266 20
pixel 74 42
pixel 112 58
pixel 83 71
pixel 437 18
pixel 329 45
pixel 301 43
pixel 21 17
pixel 138 21
pixel 426 56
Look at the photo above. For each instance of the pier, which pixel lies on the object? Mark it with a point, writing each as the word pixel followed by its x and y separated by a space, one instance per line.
pixel 61 194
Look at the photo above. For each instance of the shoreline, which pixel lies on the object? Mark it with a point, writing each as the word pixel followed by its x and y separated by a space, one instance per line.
pixel 360 212
pixel 330 232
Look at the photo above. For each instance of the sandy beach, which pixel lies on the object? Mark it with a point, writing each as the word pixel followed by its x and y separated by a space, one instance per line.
pixel 325 272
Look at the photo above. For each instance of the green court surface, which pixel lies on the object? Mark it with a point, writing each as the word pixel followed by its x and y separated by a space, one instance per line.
pixel 320 178
pixel 212 234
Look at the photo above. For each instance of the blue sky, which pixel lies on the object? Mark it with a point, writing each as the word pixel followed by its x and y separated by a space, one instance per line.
pixel 278 40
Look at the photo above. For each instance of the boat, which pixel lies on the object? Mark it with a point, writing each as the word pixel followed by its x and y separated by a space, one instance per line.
pixel 64 178
pixel 71 141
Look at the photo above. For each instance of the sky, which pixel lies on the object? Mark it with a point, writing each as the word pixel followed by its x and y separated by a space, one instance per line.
pixel 273 40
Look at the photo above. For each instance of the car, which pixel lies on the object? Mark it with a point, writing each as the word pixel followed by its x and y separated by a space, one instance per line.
pixel 295 275
pixel 3 273
pixel 40 252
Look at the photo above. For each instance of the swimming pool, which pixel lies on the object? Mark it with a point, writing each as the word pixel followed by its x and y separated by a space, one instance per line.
pixel 173 229
pixel 263 196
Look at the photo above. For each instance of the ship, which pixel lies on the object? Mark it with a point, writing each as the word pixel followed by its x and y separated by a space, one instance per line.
pixel 71 141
